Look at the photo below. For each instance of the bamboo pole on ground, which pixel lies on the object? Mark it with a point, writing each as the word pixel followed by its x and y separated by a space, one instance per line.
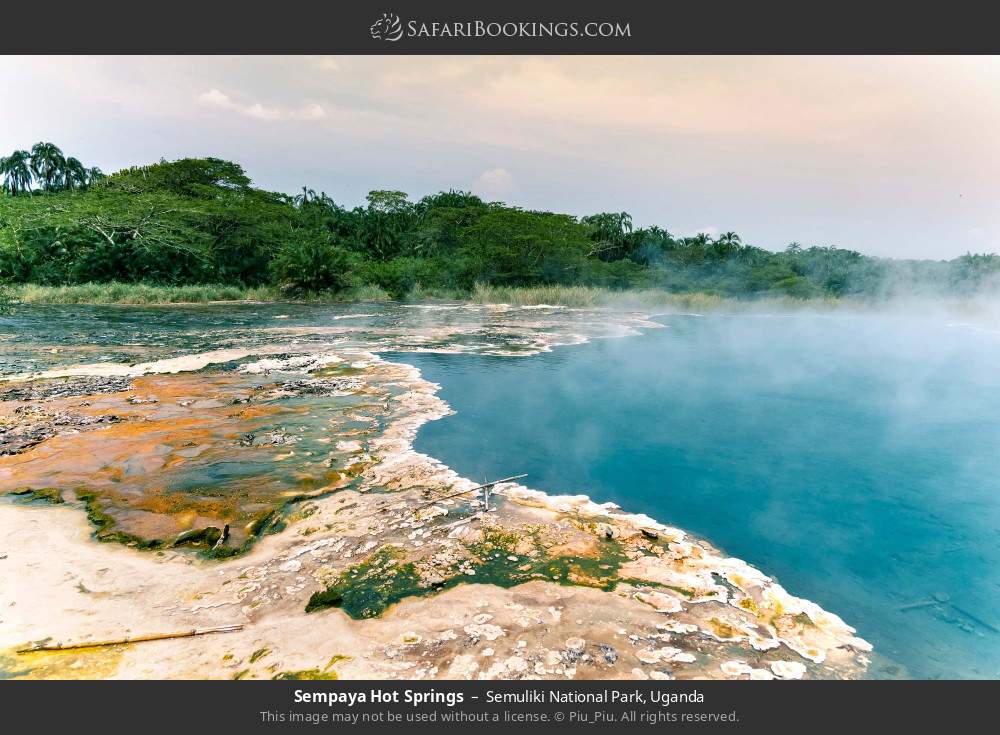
pixel 470 490
pixel 132 639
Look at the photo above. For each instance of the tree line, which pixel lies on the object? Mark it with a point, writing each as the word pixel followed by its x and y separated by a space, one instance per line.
pixel 201 221
pixel 44 168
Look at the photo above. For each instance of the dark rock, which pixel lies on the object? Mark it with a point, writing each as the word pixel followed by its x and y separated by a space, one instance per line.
pixel 43 390
pixel 609 653
pixel 29 426
pixel 313 387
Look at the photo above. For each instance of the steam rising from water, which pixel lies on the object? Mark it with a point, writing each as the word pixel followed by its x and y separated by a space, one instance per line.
pixel 852 453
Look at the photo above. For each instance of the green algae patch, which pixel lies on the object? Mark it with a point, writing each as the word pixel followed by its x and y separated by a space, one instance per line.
pixel 497 561
pixel 498 539
pixel 341 370
pixel 368 589
pixel 685 591
pixel 209 541
pixel 259 654
pixel 38 495
pixel 306 675
pixel 105 524
pixel 327 673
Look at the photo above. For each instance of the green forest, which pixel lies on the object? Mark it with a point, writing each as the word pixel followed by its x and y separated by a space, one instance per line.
pixel 201 221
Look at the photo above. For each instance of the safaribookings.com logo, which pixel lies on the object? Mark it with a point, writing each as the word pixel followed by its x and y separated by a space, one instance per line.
pixel 387 28
pixel 390 28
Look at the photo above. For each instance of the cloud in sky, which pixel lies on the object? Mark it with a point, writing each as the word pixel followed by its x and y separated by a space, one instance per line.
pixel 889 155
pixel 497 184
pixel 215 98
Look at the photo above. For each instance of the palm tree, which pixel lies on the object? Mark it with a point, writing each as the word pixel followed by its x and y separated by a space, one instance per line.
pixel 382 231
pixel 74 174
pixel 16 170
pixel 307 196
pixel 94 174
pixel 751 256
pixel 611 231
pixel 47 162
pixel 727 244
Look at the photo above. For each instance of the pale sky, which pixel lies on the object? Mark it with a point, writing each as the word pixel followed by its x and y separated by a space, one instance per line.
pixel 894 156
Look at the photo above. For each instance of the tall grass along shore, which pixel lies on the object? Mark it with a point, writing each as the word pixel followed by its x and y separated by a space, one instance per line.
pixel 141 294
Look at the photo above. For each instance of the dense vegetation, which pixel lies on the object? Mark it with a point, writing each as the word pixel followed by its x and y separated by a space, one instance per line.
pixel 199 221
pixel 47 167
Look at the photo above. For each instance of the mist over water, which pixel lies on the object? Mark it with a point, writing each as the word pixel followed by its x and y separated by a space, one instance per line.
pixel 854 457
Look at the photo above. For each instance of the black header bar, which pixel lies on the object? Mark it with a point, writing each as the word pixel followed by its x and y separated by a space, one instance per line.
pixel 510 27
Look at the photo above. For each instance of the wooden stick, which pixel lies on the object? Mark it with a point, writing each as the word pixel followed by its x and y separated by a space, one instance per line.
pixel 470 490
pixel 134 639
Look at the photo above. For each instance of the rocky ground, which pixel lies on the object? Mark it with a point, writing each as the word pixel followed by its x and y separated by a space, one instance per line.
pixel 382 569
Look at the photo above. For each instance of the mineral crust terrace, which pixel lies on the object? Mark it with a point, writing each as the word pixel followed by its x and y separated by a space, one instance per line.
pixel 276 487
